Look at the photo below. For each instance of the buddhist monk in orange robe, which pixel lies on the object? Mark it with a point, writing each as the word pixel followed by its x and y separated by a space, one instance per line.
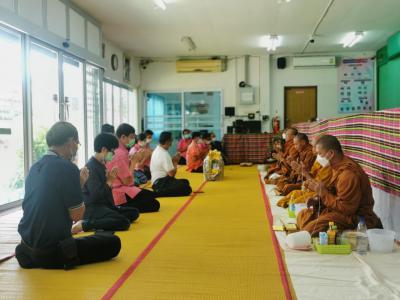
pixel 319 173
pixel 290 154
pixel 303 164
pixel 346 198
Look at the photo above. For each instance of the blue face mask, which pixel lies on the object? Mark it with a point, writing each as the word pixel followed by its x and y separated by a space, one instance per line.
pixel 186 136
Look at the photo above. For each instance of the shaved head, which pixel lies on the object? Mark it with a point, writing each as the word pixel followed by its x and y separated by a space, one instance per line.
pixel 329 142
pixel 302 137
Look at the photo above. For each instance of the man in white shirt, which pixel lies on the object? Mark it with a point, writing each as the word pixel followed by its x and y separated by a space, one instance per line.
pixel 163 170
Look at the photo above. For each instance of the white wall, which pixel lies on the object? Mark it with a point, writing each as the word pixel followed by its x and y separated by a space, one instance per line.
pixel 162 76
pixel 118 75
pixel 324 78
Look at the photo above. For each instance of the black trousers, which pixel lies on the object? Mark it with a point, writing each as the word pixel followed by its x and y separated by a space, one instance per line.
pixel 182 161
pixel 144 202
pixel 198 170
pixel 101 217
pixel 79 251
pixel 172 187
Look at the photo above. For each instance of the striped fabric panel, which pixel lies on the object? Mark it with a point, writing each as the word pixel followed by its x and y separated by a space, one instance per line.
pixel 255 148
pixel 373 140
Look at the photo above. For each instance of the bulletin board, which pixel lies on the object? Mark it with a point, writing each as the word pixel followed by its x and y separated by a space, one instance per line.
pixel 356 86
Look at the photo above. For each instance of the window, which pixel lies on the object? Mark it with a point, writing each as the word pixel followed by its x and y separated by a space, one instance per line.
pixel 11 118
pixel 119 104
pixel 93 105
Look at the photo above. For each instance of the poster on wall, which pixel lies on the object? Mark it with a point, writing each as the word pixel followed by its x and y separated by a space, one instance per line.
pixel 356 86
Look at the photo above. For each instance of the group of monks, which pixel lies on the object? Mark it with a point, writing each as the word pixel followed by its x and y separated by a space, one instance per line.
pixel 334 186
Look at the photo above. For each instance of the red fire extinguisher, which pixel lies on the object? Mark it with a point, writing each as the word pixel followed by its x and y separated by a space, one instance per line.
pixel 276 125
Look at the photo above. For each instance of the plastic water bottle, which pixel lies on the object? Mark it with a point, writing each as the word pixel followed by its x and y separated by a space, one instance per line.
pixel 362 238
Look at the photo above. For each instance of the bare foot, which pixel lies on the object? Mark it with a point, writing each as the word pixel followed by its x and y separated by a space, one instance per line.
pixel 77 227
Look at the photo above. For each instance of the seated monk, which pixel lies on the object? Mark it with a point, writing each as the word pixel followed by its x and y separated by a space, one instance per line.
pixel 305 161
pixel 317 172
pixel 347 196
pixel 290 154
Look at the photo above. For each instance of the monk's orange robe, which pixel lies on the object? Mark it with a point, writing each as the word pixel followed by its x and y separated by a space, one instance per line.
pixel 348 196
pixel 283 168
pixel 319 173
pixel 293 182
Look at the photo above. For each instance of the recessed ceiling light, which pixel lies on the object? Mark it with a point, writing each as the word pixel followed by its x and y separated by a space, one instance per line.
pixel 352 38
pixel 160 4
pixel 273 42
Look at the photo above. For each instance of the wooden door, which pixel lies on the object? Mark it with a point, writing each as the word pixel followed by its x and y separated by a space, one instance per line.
pixel 300 104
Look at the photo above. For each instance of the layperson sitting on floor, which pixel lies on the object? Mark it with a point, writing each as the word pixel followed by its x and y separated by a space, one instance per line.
pixel 346 198
pixel 141 168
pixel 303 164
pixel 107 128
pixel 124 191
pixel 163 170
pixel 196 153
pixel 53 201
pixel 183 144
pixel 100 212
pixel 149 137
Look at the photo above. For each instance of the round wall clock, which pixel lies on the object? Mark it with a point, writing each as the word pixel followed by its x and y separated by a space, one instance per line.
pixel 114 62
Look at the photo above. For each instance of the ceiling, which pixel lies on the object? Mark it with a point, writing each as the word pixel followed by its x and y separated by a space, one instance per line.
pixel 235 27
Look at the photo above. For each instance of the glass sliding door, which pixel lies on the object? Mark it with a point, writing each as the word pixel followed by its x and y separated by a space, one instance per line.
pixel 92 105
pixel 203 111
pixel 164 113
pixel 43 63
pixel 116 106
pixel 74 106
pixel 11 118
pixel 108 103
pixel 124 106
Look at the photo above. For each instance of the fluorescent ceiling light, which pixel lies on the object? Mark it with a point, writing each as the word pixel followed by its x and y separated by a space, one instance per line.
pixel 189 43
pixel 271 42
pixel 160 4
pixel 352 38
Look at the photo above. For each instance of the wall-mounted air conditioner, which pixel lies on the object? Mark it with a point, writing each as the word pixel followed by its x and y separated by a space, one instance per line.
pixel 204 65
pixel 314 61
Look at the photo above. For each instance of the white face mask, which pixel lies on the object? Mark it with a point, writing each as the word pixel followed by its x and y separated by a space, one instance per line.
pixel 284 136
pixel 322 161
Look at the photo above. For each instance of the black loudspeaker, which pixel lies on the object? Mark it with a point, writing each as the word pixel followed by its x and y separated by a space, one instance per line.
pixel 281 62
pixel 229 129
pixel 229 111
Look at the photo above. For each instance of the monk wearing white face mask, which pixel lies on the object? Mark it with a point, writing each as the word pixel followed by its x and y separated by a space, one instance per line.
pixel 346 198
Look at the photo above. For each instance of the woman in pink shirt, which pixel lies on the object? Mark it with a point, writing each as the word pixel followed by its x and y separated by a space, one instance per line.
pixel 195 154
pixel 124 191
pixel 183 145
pixel 144 164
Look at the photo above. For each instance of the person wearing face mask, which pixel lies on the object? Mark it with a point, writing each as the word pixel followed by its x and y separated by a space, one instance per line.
pixel 100 212
pixel 217 145
pixel 164 168
pixel 345 199
pixel 149 137
pixel 183 144
pixel 303 164
pixel 124 191
pixel 196 153
pixel 53 201
pixel 282 167
pixel 317 172
pixel 141 169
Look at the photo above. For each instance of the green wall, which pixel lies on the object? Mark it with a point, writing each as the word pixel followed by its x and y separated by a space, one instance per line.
pixel 389 84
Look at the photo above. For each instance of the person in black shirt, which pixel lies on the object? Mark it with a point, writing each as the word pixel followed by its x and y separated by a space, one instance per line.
pixel 100 212
pixel 53 201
